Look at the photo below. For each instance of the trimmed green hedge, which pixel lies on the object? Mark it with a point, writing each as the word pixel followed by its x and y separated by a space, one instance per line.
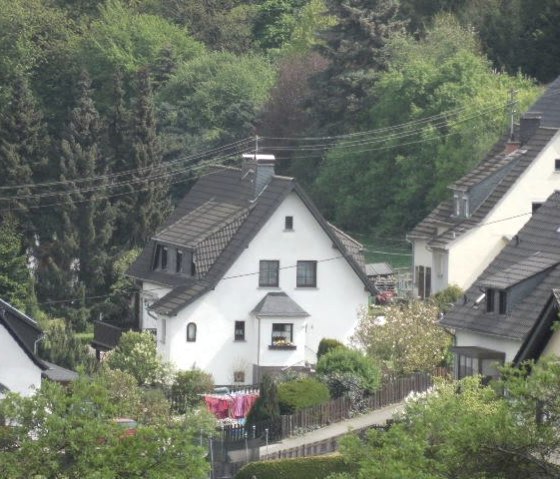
pixel 326 345
pixel 300 394
pixel 317 467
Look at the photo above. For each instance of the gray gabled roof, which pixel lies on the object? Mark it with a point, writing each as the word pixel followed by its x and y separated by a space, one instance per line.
pixel 24 330
pixel 58 373
pixel 442 217
pixel 278 305
pixel 221 243
pixel 534 251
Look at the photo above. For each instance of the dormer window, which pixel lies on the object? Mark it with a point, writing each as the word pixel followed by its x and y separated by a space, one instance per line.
pixel 179 261
pixel 489 300
pixel 457 204
pixel 503 302
pixel 466 206
pixel 160 258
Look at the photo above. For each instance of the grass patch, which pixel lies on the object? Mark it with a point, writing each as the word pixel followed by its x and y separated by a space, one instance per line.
pixel 395 251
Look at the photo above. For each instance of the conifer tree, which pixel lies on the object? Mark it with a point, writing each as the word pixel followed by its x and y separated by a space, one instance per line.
pixel 87 216
pixel 354 47
pixel 118 131
pixel 23 145
pixel 16 282
pixel 147 201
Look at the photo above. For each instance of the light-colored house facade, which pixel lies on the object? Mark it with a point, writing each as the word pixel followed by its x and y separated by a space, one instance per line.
pixel 281 279
pixel 490 204
pixel 19 372
pixel 508 312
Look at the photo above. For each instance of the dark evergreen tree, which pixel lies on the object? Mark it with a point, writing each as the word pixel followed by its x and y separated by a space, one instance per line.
pixel 118 131
pixel 266 408
pixel 164 67
pixel 23 146
pixel 341 94
pixel 16 282
pixel 87 216
pixel 146 203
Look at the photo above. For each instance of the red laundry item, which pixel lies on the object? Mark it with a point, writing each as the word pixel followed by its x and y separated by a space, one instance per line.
pixel 238 407
pixel 248 402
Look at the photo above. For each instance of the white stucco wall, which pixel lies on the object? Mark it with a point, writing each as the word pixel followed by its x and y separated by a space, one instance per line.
pixel 472 252
pixel 149 294
pixel 333 305
pixel 17 371
pixel 507 346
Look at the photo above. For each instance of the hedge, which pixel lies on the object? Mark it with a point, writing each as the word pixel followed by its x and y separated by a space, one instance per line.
pixel 301 394
pixel 317 467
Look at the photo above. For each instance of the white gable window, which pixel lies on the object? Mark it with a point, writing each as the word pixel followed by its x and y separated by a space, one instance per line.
pixel 306 274
pixel 191 332
pixel 268 273
pixel 557 164
pixel 289 223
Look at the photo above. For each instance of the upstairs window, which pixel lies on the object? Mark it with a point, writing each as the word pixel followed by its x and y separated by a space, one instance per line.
pixel 268 273
pixel 306 274
pixel 179 262
pixel 239 331
pixel 557 164
pixel 466 207
pixel 503 302
pixel 289 223
pixel 489 300
pixel 457 205
pixel 163 257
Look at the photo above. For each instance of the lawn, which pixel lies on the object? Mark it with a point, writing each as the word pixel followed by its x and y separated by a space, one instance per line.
pixel 395 251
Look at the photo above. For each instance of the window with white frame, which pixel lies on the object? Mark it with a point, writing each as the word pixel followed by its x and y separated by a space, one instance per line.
pixel 269 273
pixel 282 334
pixel 191 332
pixel 306 274
pixel 239 331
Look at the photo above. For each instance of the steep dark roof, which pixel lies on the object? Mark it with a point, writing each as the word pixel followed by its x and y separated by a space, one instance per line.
pixel 23 329
pixel 220 239
pixel 278 305
pixel 548 109
pixel 534 251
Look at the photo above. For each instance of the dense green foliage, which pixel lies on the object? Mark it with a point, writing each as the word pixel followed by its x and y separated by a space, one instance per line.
pixel 188 386
pixel 70 432
pixel 466 430
pixel 170 79
pixel 407 173
pixel 404 338
pixel 137 355
pixel 301 393
pixel 326 345
pixel 341 368
pixel 446 298
pixel 301 468
pixel 266 407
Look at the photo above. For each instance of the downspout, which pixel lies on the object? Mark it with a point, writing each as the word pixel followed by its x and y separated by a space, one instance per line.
pixel 258 347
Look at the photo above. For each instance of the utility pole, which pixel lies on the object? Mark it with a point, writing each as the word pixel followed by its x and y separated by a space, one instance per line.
pixel 512 103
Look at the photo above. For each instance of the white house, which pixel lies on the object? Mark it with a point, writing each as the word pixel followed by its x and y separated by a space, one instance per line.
pixel 246 275
pixel 508 312
pixel 490 204
pixel 21 370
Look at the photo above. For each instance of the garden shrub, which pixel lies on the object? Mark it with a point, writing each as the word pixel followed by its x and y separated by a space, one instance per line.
pixel 300 394
pixel 188 385
pixel 446 298
pixel 326 345
pixel 348 362
pixel 301 468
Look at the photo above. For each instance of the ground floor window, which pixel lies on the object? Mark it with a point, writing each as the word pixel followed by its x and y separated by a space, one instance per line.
pixel 282 334
pixel 469 361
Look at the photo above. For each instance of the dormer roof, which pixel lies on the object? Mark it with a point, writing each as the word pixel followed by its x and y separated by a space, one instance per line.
pixel 535 250
pixel 226 195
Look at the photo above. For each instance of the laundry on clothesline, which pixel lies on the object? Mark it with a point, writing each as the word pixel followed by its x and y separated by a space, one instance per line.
pixel 234 405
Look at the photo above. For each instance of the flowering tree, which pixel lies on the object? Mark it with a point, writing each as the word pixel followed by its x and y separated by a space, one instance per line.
pixel 137 354
pixel 405 338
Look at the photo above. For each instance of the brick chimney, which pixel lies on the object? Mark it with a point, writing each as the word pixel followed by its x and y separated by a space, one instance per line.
pixel 263 166
pixel 528 125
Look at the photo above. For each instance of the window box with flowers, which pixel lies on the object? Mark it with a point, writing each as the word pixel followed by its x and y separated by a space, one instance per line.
pixel 282 344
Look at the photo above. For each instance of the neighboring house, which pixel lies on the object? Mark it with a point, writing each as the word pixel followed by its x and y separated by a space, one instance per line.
pixel 490 204
pixel 246 275
pixel 21 370
pixel 507 314
pixel 381 275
